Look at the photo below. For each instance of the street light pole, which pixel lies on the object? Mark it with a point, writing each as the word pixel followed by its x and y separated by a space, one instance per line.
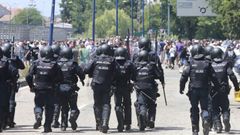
pixel 116 17
pixel 93 19
pixel 142 17
pixel 50 40
pixel 132 16
pixel 169 17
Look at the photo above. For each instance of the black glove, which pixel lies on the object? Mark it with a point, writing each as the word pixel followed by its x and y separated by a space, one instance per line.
pixel 32 89
pixel 236 89
pixel 83 83
pixel 181 92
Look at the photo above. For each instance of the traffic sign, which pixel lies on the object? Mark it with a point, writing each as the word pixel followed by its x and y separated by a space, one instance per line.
pixel 194 8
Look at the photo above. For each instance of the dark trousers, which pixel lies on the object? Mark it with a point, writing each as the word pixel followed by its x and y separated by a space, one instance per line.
pixel 45 99
pixel 68 100
pixel 146 103
pixel 197 96
pixel 102 106
pixel 122 98
pixel 220 104
pixel 3 113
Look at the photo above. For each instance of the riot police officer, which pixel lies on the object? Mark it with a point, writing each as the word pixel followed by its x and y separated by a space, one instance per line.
pixel 223 70
pixel 145 73
pixel 230 55
pixel 68 88
pixel 14 64
pixel 103 71
pixel 208 52
pixel 56 52
pixel 5 76
pixel 43 76
pixel 200 73
pixel 145 44
pixel 123 90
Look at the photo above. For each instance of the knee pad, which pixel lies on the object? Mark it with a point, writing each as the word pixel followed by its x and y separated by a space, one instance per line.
pixel 226 115
pixel 205 115
pixel 118 109
pixel 38 110
pixel 74 114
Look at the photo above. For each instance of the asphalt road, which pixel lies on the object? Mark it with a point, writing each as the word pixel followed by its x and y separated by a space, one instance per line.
pixel 171 120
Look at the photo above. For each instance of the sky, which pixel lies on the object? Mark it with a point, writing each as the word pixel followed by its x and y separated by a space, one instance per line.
pixel 44 6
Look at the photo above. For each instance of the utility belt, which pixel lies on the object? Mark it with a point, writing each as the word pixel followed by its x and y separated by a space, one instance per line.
pixel 68 87
pixel 43 86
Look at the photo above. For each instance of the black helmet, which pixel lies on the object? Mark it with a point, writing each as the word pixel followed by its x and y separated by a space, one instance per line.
pixel 6 49
pixel 106 49
pixel 208 51
pixel 99 50
pixel 46 53
pixel 1 53
pixel 143 55
pixel 120 53
pixel 56 49
pixel 217 54
pixel 197 52
pixel 144 44
pixel 66 52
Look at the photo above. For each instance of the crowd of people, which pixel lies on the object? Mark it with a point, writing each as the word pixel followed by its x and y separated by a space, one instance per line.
pixel 117 67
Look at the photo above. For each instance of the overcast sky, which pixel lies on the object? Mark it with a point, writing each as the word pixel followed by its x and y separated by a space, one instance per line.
pixel 44 6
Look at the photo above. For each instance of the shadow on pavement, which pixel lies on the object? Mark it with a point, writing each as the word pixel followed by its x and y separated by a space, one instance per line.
pixel 157 129
pixel 234 132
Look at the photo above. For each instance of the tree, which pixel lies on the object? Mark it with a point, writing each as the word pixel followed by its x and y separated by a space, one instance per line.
pixel 105 24
pixel 30 16
pixel 229 15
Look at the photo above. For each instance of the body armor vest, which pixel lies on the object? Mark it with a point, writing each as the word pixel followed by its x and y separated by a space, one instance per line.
pixel 199 74
pixel 44 75
pixel 221 72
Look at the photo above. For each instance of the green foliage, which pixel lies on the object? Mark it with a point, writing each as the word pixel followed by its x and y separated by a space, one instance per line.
pixel 29 16
pixel 229 16
pixel 105 24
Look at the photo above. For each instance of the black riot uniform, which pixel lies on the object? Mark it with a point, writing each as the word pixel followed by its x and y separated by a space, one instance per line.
pixel 221 102
pixel 56 50
pixel 67 91
pixel 208 52
pixel 5 76
pixel 103 71
pixel 42 79
pixel 123 90
pixel 145 44
pixel 145 73
pixel 230 55
pixel 200 73
pixel 14 65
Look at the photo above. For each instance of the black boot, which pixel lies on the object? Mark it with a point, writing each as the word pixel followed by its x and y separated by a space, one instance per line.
pixel 73 118
pixel 218 126
pixel 11 122
pixel 195 129
pixel 64 122
pixel 97 113
pixel 128 127
pixel 38 116
pixel 0 125
pixel 119 113
pixel 226 121
pixel 105 117
pixel 56 114
pixel 47 129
